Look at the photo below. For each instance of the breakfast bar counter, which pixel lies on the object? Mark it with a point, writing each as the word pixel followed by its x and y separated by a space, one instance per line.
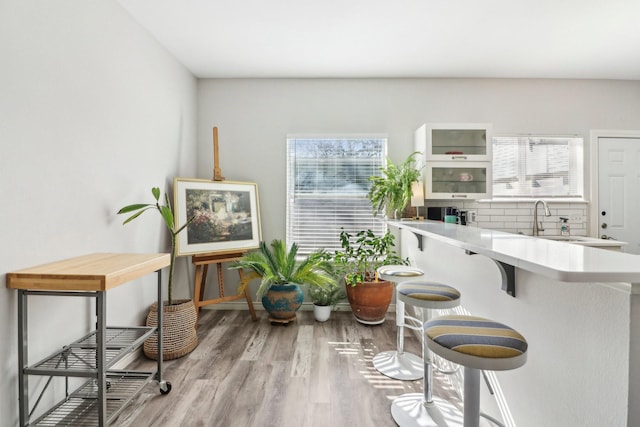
pixel 577 306
pixel 551 258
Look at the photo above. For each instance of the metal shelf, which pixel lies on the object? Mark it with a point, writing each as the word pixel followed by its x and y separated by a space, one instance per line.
pixel 81 407
pixel 79 358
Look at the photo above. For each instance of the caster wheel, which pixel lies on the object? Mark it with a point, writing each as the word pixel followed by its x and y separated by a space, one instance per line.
pixel 165 387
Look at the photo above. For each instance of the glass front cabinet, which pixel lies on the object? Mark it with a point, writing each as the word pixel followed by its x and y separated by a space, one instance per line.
pixel 458 180
pixel 456 161
pixel 447 142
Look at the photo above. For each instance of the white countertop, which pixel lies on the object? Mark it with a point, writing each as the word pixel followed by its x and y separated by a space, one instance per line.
pixel 555 259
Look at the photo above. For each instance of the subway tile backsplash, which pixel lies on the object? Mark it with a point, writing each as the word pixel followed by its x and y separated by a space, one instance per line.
pixel 517 217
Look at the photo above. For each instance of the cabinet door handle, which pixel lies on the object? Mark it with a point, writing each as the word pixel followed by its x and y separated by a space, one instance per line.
pixel 458 157
pixel 463 196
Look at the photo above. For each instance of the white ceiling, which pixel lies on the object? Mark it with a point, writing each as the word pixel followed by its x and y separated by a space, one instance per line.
pixel 398 38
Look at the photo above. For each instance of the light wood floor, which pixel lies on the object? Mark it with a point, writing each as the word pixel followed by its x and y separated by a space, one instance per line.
pixel 306 374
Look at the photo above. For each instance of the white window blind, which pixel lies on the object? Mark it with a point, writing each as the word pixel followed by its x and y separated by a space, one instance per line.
pixel 536 166
pixel 327 186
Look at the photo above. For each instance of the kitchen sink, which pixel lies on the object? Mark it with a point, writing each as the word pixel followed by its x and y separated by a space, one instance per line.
pixel 572 239
pixel 587 241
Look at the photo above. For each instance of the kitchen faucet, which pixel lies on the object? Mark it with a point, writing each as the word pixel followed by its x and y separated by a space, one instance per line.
pixel 537 227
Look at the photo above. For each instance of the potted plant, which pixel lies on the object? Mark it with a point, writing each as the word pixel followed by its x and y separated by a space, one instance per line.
pixel 325 299
pixel 390 192
pixel 281 276
pixel 357 262
pixel 180 316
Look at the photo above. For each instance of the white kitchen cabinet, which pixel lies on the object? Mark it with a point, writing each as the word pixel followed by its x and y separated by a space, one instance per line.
pixel 456 159
pixel 457 180
pixel 454 141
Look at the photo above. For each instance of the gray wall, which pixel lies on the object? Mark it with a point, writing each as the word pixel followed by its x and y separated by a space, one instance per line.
pixel 254 117
pixel 93 113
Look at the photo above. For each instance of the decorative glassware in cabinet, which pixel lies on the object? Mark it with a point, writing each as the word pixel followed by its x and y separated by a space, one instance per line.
pixel 450 180
pixel 456 141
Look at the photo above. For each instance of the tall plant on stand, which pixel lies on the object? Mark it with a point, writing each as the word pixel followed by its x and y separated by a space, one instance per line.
pixel 179 328
pixel 391 191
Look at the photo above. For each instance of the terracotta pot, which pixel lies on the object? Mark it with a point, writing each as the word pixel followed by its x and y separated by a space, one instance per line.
pixel 370 301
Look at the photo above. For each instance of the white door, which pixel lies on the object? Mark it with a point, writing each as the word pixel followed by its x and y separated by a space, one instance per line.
pixel 619 191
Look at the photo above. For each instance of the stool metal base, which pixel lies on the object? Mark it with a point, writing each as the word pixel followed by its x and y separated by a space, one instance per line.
pixel 400 366
pixel 410 410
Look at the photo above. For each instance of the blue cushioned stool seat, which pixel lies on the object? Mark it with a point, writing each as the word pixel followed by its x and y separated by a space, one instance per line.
pixel 477 344
pixel 427 294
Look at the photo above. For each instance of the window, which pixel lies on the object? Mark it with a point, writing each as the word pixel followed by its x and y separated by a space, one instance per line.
pixel 536 166
pixel 327 186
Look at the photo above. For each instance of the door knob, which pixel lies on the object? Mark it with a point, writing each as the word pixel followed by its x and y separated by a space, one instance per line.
pixel 604 225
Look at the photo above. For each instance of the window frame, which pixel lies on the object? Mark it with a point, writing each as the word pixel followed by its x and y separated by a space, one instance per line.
pixel 380 225
pixel 575 168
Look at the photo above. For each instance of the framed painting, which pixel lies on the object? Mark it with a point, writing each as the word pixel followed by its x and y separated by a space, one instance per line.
pixel 226 216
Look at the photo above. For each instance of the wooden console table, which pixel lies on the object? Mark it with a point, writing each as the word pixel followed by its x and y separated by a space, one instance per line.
pixel 202 263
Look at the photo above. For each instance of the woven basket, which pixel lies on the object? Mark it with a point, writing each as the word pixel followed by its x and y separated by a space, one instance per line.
pixel 178 330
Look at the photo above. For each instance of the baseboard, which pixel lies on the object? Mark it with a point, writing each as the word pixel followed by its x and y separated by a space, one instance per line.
pixel 306 306
pixel 123 363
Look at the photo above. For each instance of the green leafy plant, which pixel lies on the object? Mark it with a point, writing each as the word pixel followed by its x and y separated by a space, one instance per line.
pixel 329 295
pixel 390 192
pixel 167 215
pixel 362 254
pixel 277 266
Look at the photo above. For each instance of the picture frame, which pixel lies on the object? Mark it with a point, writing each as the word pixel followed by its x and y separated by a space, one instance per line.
pixel 226 216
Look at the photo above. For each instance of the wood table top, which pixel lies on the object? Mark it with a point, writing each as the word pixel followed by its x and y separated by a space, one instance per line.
pixel 93 272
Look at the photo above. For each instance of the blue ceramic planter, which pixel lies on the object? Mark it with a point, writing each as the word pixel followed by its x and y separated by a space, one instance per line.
pixel 282 301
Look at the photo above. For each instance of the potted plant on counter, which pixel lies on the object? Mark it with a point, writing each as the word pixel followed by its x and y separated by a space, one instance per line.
pixel 325 299
pixel 357 262
pixel 282 274
pixel 391 191
pixel 180 316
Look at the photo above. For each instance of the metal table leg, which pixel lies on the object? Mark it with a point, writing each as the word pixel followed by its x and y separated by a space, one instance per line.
pixel 165 386
pixel 23 386
pixel 101 357
pixel 160 319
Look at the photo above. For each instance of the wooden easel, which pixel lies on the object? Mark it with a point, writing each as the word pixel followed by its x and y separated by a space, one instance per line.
pixel 202 261
pixel 217 172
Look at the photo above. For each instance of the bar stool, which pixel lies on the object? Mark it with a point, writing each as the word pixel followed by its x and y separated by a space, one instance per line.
pixel 477 344
pixel 420 409
pixel 399 364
